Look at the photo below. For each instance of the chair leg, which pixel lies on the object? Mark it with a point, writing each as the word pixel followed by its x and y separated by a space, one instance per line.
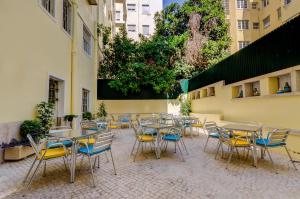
pixel 66 167
pixel 133 147
pixel 113 162
pixel 293 163
pixel 206 143
pixel 176 143
pixel 184 146
pixel 230 156
pixel 81 162
pixel 107 160
pixel 34 173
pixel 136 152
pixel 269 155
pixel 175 147
pixel 45 165
pixel 92 171
pixel 30 169
pixel 218 148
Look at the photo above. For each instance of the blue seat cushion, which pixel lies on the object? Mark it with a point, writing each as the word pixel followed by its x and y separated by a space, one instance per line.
pixel 171 137
pixel 90 150
pixel 150 132
pixel 214 135
pixel 263 142
pixel 124 120
pixel 66 143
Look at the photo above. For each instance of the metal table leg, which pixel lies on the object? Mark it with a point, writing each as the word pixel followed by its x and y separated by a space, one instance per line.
pixel 158 145
pixel 254 150
pixel 73 162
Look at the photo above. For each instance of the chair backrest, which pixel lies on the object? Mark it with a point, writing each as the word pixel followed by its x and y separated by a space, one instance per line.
pixel 278 136
pixel 211 127
pixel 137 129
pixel 88 125
pixel 178 123
pixel 204 121
pixel 35 147
pixel 103 141
pixel 175 131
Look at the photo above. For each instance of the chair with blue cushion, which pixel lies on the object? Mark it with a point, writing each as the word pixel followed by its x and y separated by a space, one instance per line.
pixel 174 135
pixel 274 139
pixel 212 132
pixel 102 144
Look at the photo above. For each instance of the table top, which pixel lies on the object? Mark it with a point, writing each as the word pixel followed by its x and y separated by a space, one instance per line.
pixel 241 127
pixel 74 134
pixel 158 126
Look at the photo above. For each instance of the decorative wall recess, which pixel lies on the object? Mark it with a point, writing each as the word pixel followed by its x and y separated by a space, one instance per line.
pixel 237 91
pixel 252 89
pixel 280 84
pixel 203 93
pixel 211 91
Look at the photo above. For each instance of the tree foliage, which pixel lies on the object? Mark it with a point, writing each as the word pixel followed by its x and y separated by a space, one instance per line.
pixel 161 60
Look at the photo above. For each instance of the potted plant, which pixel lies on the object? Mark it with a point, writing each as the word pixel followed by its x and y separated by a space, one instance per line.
pixel 69 118
pixel 20 149
pixel 87 116
pixel 45 113
pixel 101 114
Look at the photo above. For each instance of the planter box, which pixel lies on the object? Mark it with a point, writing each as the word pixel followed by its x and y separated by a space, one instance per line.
pixel 18 152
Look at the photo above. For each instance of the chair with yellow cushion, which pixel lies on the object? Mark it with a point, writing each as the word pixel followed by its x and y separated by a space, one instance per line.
pixel 233 142
pixel 42 155
pixel 199 125
pixel 141 139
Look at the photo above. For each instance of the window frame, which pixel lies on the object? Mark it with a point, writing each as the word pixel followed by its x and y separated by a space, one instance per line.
pixel 265 3
pixel 241 4
pixel 279 13
pixel 143 11
pixel 47 12
pixel 256 24
pixel 71 17
pixel 244 44
pixel 242 24
pixel 85 29
pixel 131 10
pixel 287 2
pixel 264 20
pixel 85 104
pixel 119 12
pixel 131 25
pixel 145 25
pixel 254 7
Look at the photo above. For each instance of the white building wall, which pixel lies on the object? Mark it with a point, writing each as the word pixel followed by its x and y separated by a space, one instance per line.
pixel 138 18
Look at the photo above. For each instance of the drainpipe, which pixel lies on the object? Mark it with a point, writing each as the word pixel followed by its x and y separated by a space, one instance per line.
pixel 96 55
pixel 73 55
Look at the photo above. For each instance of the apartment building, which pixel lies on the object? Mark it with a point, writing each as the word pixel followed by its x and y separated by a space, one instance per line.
pixel 49 52
pixel 251 19
pixel 137 16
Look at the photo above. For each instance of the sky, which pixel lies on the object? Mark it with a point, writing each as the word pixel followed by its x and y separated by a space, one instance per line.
pixel 167 2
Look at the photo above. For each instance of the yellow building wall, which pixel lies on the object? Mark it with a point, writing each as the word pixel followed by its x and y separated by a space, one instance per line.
pixel 34 46
pixel 141 106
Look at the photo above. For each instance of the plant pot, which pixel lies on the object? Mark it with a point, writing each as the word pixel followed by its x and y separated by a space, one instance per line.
pixel 17 152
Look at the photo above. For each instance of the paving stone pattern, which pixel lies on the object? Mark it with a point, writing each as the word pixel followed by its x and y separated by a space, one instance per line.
pixel 200 176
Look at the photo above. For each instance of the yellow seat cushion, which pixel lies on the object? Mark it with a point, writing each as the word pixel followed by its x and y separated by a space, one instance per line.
pixel 53 153
pixel 163 131
pixel 197 125
pixel 113 127
pixel 241 143
pixel 240 133
pixel 87 141
pixel 145 138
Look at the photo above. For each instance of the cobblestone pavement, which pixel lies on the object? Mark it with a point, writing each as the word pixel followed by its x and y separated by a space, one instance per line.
pixel 200 176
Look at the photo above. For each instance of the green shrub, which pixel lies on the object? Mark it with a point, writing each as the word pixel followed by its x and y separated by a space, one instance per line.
pixel 32 127
pixel 69 118
pixel 185 108
pixel 45 113
pixel 87 116
pixel 101 111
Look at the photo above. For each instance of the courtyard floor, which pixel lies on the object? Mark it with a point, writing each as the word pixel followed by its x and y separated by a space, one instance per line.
pixel 200 176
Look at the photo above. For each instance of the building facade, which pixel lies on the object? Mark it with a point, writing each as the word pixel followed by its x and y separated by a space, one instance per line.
pixel 49 52
pixel 137 16
pixel 251 19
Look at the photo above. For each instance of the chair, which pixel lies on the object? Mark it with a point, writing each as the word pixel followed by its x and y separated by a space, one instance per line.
pixel 174 135
pixel 274 139
pixel 233 142
pixel 102 144
pixel 125 120
pixel 43 155
pixel 212 132
pixel 199 125
pixel 141 138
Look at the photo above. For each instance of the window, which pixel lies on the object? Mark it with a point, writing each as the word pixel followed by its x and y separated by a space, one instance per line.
pixel 254 5
pixel 255 25
pixel 131 7
pixel 243 24
pixel 49 5
pixel 146 9
pixel 87 39
pixel 131 27
pixel 118 15
pixel 286 2
pixel 226 6
pixel 146 30
pixel 85 100
pixel 279 13
pixel 243 44
pixel 265 3
pixel 266 22
pixel 241 4
pixel 53 90
pixel 67 16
